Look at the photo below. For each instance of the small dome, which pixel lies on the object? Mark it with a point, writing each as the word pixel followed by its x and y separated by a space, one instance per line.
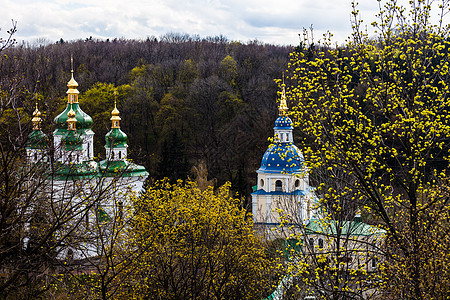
pixel 73 141
pixel 115 138
pixel 283 122
pixel 84 121
pixel 282 157
pixel 115 112
pixel 37 140
pixel 36 115
pixel 72 84
pixel 71 114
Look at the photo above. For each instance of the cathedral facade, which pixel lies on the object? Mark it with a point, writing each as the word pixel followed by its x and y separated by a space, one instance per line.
pixel 282 193
pixel 91 191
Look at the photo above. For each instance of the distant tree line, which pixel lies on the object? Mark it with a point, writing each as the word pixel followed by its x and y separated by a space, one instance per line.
pixel 183 99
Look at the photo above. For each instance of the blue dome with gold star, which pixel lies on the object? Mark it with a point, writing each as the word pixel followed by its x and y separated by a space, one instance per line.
pixel 283 122
pixel 282 157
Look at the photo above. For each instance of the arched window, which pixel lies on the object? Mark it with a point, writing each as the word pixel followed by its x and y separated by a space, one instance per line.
pixel 35 156
pixel 70 254
pixel 120 211
pixel 87 219
pixel 120 154
pixel 278 186
pixel 297 183
pixel 374 263
pixel 88 150
pixel 261 183
pixel 320 241
pixel 311 242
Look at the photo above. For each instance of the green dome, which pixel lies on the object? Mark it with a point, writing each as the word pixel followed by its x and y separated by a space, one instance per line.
pixel 84 121
pixel 72 140
pixel 115 138
pixel 37 140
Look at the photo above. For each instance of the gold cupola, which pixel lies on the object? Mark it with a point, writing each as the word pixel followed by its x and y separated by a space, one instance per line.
pixel 37 140
pixel 115 118
pixel 72 92
pixel 36 118
pixel 71 121
pixel 83 120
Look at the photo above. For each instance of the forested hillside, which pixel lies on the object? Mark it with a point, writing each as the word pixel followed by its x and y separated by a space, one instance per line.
pixel 182 99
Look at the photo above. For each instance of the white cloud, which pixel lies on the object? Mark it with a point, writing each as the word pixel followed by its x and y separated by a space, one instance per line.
pixel 269 21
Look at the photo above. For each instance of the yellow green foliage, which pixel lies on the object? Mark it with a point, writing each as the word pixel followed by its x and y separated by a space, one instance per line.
pixel 196 245
pixel 378 111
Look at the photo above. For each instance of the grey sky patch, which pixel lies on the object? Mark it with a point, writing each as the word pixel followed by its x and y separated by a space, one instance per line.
pixel 277 22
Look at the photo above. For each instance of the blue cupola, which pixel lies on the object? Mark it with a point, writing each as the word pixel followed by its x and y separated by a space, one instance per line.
pixel 283 123
pixel 282 155
pixel 282 158
pixel 283 180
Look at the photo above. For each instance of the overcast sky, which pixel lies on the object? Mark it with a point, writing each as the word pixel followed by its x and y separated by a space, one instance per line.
pixel 269 21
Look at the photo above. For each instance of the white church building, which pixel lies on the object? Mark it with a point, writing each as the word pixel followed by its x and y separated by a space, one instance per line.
pixel 283 180
pixel 87 189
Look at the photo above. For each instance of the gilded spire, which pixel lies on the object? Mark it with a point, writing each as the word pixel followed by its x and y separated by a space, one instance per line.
pixel 115 119
pixel 283 108
pixel 72 85
pixel 36 118
pixel 71 119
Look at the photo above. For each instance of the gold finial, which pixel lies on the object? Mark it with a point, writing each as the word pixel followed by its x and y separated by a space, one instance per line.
pixel 115 119
pixel 283 108
pixel 71 119
pixel 115 99
pixel 72 85
pixel 36 118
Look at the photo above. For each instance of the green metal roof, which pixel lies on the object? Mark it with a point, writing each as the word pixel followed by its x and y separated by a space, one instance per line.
pixel 83 119
pixel 72 140
pixel 63 131
pixel 102 215
pixel 112 168
pixel 348 228
pixel 105 168
pixel 37 140
pixel 84 170
pixel 115 138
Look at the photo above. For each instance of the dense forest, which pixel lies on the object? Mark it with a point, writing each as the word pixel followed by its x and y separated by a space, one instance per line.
pixel 183 100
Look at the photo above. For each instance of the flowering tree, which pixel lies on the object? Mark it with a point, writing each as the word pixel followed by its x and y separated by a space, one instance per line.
pixel 198 244
pixel 377 110
pixel 9 40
